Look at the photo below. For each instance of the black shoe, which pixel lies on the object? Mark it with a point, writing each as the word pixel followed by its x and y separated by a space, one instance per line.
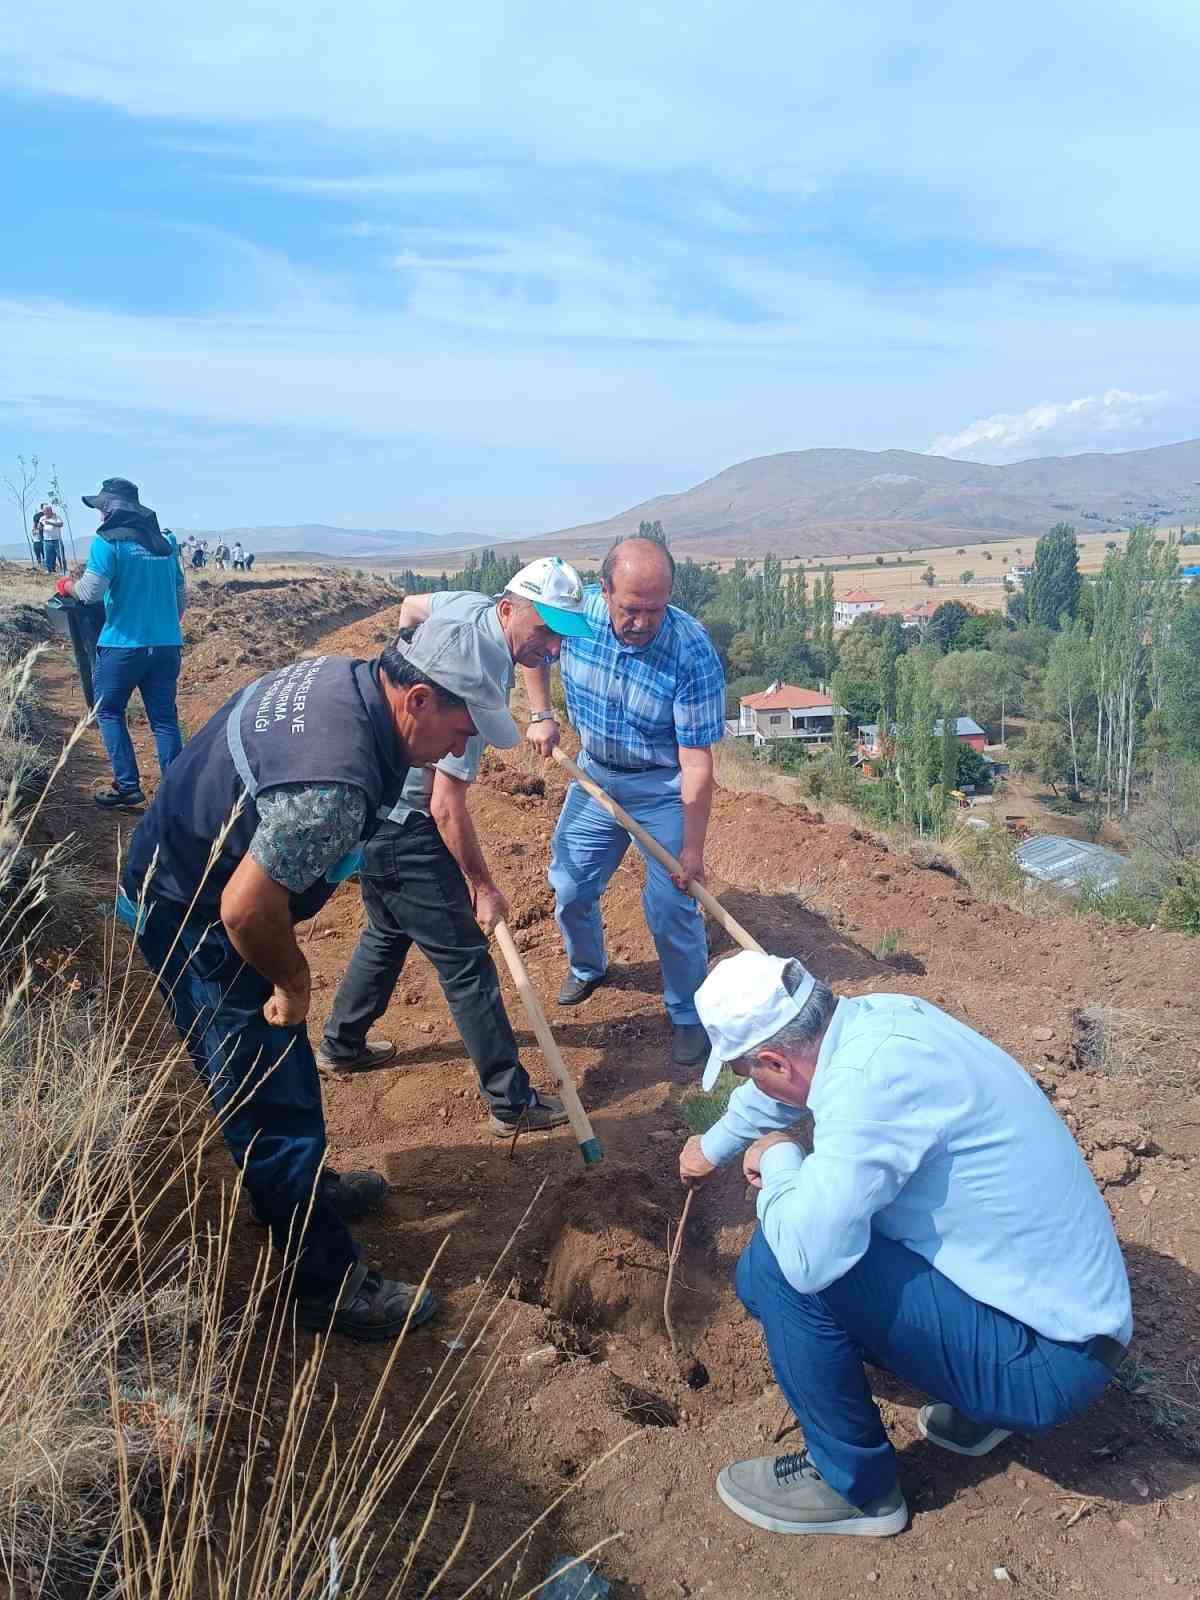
pixel 375 1053
pixel 351 1194
pixel 575 990
pixel 689 1044
pixel 544 1111
pixel 120 799
pixel 371 1308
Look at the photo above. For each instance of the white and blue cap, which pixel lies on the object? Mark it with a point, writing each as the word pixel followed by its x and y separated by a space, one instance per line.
pixel 744 1002
pixel 555 590
pixel 467 662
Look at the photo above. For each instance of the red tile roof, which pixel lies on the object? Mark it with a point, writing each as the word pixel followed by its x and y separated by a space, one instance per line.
pixel 859 597
pixel 925 609
pixel 788 698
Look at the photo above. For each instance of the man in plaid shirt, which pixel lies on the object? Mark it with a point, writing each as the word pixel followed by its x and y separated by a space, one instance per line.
pixel 647 696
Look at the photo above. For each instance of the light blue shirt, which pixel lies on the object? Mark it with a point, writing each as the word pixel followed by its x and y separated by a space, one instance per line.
pixel 456 606
pixel 932 1135
pixel 144 595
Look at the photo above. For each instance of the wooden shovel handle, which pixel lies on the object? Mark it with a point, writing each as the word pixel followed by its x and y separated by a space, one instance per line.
pixel 589 1145
pixel 709 901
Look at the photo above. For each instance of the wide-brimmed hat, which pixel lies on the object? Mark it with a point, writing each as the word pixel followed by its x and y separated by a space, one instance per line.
pixel 113 489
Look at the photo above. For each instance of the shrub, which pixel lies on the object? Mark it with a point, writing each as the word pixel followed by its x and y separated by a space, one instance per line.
pixel 1119 903
pixel 1180 909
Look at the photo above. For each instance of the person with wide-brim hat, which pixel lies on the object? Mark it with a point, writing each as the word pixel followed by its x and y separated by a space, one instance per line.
pixel 134 568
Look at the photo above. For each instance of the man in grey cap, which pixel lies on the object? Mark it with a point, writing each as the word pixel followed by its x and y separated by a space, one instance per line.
pixel 945 1227
pixel 255 823
pixel 426 881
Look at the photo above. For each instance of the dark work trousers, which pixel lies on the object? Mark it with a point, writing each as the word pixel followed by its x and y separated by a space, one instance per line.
pixel 415 893
pixel 263 1083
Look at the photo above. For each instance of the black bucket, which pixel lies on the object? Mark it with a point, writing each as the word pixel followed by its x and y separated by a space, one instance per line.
pixel 81 624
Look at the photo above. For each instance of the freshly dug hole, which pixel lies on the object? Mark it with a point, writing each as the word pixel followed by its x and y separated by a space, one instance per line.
pixel 604 1246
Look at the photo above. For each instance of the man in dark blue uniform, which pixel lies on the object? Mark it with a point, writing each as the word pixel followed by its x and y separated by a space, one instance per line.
pixel 251 830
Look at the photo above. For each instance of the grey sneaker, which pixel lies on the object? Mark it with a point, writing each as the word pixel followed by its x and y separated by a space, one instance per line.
pixel 689 1044
pixel 950 1430
pixel 371 1308
pixel 786 1494
pixel 543 1112
pixel 375 1053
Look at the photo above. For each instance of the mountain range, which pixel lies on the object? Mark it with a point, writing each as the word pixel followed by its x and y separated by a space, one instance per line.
pixel 816 503
pixel 850 502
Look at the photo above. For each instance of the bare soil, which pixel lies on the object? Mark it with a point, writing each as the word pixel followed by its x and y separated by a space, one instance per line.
pixel 1103 1509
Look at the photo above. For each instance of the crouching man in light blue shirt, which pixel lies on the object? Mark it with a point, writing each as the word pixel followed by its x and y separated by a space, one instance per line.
pixel 945 1227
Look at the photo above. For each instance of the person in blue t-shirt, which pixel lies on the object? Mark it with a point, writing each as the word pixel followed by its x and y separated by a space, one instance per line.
pixel 134 568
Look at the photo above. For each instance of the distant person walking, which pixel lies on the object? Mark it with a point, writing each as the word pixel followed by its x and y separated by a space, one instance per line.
pixel 248 560
pixel 134 568
pixel 53 556
pixel 38 538
pixel 239 557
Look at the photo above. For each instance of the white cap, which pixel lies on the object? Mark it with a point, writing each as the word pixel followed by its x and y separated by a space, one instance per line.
pixel 742 1002
pixel 555 589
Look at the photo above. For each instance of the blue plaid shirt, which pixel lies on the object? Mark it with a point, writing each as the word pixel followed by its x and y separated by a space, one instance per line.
pixel 635 707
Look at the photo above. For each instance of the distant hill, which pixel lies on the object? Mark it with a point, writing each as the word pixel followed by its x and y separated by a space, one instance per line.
pixel 852 502
pixel 815 503
pixel 339 544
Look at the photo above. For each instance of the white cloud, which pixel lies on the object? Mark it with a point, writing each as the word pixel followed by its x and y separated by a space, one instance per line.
pixel 1050 426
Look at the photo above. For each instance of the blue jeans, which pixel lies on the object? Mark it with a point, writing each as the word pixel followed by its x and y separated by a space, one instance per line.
pixel 154 670
pixel 53 555
pixel 587 849
pixel 896 1311
pixel 263 1083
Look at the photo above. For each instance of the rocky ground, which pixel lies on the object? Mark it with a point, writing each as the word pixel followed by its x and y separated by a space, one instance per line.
pixel 1108 1022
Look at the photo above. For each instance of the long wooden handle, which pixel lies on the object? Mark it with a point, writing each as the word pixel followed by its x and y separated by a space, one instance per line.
pixel 589 1145
pixel 709 901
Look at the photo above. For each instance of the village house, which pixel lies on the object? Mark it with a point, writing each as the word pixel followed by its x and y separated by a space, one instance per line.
pixel 783 711
pixel 918 616
pixel 967 729
pixel 1020 573
pixel 858 603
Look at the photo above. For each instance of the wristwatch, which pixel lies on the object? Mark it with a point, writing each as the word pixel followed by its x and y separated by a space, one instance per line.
pixel 542 716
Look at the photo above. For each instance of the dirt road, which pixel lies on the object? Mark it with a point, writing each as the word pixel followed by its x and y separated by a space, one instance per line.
pixel 1104 1510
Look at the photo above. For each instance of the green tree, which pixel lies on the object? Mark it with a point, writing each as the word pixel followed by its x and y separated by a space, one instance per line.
pixel 950 746
pixel 977 631
pixel 652 530
pixel 695 586
pixel 745 657
pixel 1181 701
pixel 943 626
pixel 1052 588
pixel 1068 695
pixel 841 766
pixel 914 742
pixel 928 578
pixel 973 680
pixel 969 575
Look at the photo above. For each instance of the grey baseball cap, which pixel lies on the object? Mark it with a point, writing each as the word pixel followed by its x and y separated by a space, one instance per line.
pixel 461 659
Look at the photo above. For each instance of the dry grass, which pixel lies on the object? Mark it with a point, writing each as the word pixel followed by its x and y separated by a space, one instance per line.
pixel 133 1363
pixel 1138 1042
pixel 738 771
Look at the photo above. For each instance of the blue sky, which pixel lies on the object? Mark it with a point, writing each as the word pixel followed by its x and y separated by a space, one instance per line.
pixel 507 267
